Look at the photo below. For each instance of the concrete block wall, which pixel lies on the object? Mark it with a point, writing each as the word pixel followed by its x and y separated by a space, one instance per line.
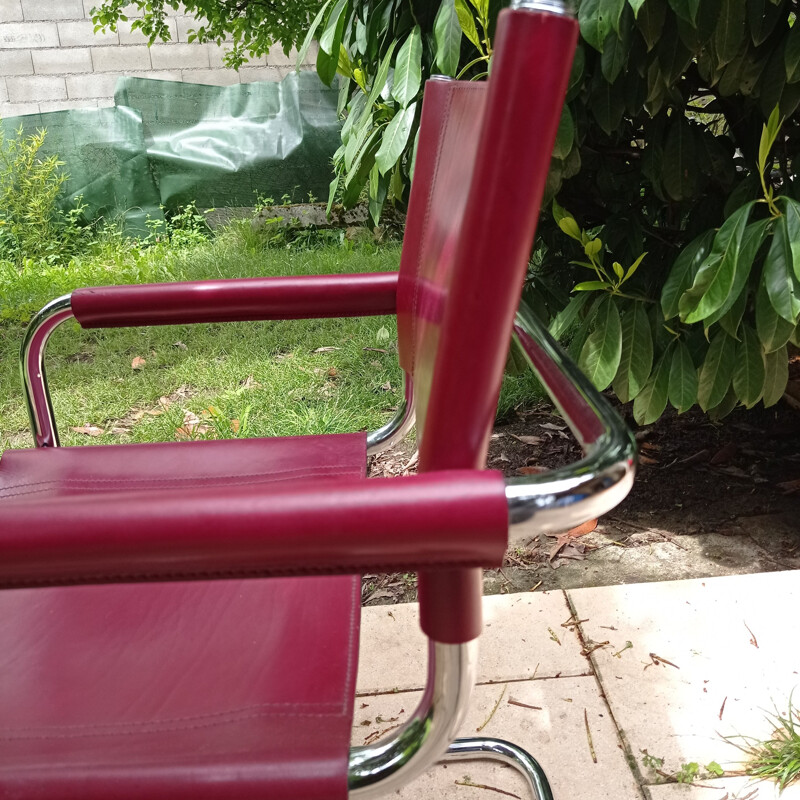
pixel 51 59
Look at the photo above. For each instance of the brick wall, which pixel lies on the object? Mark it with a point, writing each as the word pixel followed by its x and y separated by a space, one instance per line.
pixel 51 59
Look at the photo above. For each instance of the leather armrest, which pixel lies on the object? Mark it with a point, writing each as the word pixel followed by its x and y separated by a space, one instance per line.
pixel 439 520
pixel 237 299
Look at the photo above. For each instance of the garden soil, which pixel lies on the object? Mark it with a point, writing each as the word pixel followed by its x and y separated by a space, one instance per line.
pixel 709 499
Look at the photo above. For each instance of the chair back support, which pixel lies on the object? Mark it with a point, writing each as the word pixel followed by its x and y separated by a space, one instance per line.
pixel 482 162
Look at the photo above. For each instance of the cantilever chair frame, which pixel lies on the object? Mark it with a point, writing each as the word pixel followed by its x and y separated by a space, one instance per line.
pixel 553 501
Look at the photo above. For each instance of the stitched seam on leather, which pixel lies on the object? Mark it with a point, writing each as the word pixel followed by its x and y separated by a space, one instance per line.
pixel 288 708
pixel 351 650
pixel 425 225
pixel 263 477
pixel 166 577
pixel 156 728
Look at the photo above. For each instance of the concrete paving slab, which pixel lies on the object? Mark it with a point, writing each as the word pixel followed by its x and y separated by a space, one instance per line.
pixel 553 731
pixel 734 651
pixel 723 789
pixel 517 643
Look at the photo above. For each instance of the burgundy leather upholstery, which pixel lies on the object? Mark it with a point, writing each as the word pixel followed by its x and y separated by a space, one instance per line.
pixel 484 156
pixel 238 508
pixel 190 691
pixel 302 297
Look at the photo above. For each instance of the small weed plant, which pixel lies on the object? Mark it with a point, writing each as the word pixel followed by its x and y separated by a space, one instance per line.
pixel 776 758
pixel 32 223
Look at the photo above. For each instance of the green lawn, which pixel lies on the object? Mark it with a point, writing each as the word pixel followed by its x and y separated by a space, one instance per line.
pixel 245 379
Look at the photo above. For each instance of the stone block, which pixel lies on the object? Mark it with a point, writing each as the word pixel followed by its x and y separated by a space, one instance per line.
pixel 121 58
pixel 16 62
pixel 34 88
pixel 80 33
pixel 38 10
pixel 24 35
pixel 179 56
pixel 210 77
pixel 18 109
pixel 66 105
pixel 11 11
pixel 90 86
pixel 61 61
pixel 255 74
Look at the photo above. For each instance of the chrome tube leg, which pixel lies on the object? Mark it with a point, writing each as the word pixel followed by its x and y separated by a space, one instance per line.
pixel 381 768
pixel 500 750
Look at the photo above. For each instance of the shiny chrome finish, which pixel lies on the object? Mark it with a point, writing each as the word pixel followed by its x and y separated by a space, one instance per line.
pixel 397 427
pixel 508 753
pixel 380 769
pixel 563 498
pixel 34 379
pixel 549 6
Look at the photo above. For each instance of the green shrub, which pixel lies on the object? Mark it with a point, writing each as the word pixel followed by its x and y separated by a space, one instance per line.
pixel 32 223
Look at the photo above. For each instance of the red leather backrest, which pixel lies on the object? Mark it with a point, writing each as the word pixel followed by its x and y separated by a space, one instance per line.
pixel 482 163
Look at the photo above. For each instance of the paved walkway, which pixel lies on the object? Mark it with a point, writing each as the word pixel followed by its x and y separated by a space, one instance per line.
pixel 664 670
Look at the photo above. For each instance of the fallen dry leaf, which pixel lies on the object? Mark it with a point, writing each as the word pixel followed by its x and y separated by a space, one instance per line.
pixel 333 372
pixel 724 454
pixel 582 530
pixel 326 349
pixel 387 387
pixel 646 460
pixel 88 430
pixel 138 363
pixel 374 349
pixel 528 439
pixel 531 470
pixel 235 425
pixel 249 383
pixel 790 486
pixel 180 345
pixel 191 427
pixel 549 426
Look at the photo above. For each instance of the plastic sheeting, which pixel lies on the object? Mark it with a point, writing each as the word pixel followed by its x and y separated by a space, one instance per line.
pixel 167 144
pixel 105 157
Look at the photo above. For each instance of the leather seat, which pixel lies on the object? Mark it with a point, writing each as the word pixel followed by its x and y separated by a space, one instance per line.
pixel 178 690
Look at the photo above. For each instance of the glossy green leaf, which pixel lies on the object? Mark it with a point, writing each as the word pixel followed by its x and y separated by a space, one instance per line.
pixel 725 406
pixel 593 30
pixel 717 371
pixel 792 214
pixel 650 403
pixel 636 358
pixel 636 5
pixel 570 227
pixel 332 35
pixel 633 267
pixel 380 81
pixel 326 67
pixel 716 276
pixel 467 22
pixel 682 379
pixel 753 238
pixel 683 272
pixel 310 36
pixel 447 35
pixel 773 330
pixel 768 134
pixel 588 286
pixel 568 317
pixel 395 138
pixel 408 69
pixel 334 185
pixel 565 137
pixel 650 21
pixel 607 104
pixel 748 375
pixel 679 170
pixel 791 54
pixel 730 31
pixel 776 375
pixel 686 9
pixel 731 320
pixel 366 148
pixel 602 351
pixel 783 287
pixel 615 53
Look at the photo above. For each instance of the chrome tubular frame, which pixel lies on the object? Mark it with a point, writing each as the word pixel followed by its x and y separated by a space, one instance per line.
pixel 550 6
pixel 396 428
pixel 569 496
pixel 34 378
pixel 508 753
pixel 423 740
pixel 40 405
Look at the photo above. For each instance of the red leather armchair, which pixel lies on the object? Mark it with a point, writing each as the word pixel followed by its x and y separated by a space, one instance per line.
pixel 181 620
